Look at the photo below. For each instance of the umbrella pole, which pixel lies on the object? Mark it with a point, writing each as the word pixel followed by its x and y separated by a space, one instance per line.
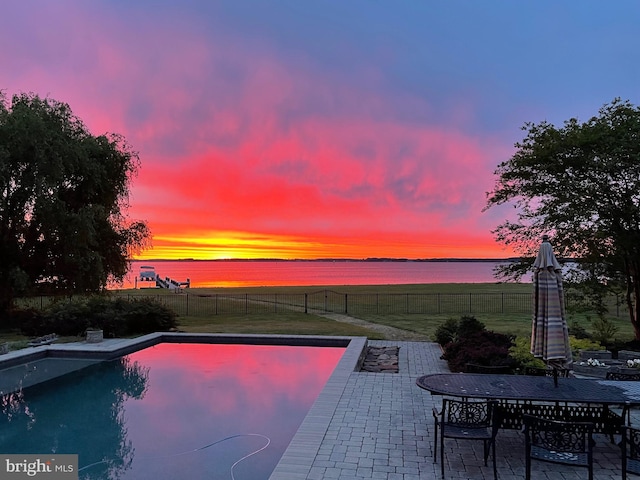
pixel 555 376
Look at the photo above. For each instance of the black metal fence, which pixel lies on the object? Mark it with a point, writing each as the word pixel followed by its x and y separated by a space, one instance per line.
pixel 329 301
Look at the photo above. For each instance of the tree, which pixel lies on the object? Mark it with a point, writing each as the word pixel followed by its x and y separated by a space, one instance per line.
pixel 581 185
pixel 63 194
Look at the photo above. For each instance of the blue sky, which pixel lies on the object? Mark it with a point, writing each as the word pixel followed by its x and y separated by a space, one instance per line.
pixel 321 129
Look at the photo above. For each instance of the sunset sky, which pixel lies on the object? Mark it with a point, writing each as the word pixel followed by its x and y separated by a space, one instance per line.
pixel 314 129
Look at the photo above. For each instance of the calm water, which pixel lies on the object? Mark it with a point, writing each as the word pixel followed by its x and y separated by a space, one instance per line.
pixel 173 411
pixel 293 273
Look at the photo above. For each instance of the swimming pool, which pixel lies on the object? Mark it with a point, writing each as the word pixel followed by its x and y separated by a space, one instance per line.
pixel 173 410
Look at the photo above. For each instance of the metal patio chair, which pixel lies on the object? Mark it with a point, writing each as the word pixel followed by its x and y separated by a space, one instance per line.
pixel 630 446
pixel 568 443
pixel 465 420
pixel 545 372
pixel 494 369
pixel 616 374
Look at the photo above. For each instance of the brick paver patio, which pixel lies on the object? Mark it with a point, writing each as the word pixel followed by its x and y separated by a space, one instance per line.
pixel 381 427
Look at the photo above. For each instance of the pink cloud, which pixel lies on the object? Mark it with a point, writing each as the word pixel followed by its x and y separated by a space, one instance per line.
pixel 234 137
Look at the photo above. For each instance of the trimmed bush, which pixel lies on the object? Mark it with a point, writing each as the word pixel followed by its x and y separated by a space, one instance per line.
pixel 578 330
pixel 27 320
pixel 64 318
pixel 522 356
pixel 480 348
pixel 116 317
pixel 472 343
pixel 453 329
pixel 447 332
pixel 144 316
pixel 469 325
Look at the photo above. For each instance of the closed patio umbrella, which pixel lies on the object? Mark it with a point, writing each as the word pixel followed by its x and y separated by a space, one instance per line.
pixel 549 332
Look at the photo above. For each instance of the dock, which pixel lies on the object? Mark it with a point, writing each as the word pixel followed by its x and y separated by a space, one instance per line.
pixel 148 278
pixel 172 284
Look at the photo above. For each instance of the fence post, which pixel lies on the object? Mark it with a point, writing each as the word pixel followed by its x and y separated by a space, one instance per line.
pixel 346 302
pixel 438 303
pixel 216 303
pixel 246 303
pixel 275 302
pixel 502 308
pixel 187 305
pixel 306 305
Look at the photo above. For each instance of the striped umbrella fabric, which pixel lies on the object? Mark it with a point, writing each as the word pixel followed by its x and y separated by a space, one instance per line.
pixel 549 334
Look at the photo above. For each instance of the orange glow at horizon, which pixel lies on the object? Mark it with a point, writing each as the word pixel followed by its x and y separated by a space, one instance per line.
pixel 245 245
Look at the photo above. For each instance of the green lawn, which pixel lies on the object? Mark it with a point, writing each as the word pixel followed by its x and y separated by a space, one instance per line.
pixel 277 324
pixel 509 323
pixel 284 321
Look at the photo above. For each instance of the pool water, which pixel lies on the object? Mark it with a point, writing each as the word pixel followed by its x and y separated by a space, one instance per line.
pixel 193 411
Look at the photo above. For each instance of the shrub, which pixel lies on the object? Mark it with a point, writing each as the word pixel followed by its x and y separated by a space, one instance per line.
pixel 603 330
pixel 469 325
pixel 122 317
pixel 447 332
pixel 116 317
pixel 27 320
pixel 578 330
pixel 64 318
pixel 107 314
pixel 521 354
pixel 144 316
pixel 579 344
pixel 474 344
pixel 452 329
pixel 482 348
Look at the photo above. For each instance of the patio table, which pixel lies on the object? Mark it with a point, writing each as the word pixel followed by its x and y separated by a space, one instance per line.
pixel 534 395
pixel 532 388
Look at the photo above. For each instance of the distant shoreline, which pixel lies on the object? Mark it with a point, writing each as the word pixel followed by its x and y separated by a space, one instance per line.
pixel 434 260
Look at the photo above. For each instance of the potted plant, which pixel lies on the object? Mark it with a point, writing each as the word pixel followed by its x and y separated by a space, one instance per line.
pixel 94 335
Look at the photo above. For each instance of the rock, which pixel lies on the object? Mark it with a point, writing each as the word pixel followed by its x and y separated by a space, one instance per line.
pixel 381 359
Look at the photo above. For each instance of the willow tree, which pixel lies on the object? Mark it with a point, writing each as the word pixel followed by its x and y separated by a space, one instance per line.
pixel 580 184
pixel 63 196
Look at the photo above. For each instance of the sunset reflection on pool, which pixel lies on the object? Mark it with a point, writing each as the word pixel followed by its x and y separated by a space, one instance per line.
pixel 175 410
pixel 198 394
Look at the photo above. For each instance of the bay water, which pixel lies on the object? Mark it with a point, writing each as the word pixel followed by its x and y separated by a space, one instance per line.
pixel 233 273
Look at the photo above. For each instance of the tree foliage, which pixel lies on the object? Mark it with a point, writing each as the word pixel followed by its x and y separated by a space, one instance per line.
pixel 580 184
pixel 63 196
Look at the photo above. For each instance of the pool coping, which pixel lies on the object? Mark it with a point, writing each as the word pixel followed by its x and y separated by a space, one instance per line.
pixel 297 460
pixel 112 348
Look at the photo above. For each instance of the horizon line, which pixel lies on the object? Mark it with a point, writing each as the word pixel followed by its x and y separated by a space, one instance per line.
pixel 330 259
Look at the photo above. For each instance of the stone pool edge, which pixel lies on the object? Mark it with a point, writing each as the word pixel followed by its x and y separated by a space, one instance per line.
pixel 110 349
pixel 298 458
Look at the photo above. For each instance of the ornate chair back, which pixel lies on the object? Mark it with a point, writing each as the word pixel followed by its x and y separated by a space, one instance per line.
pixel 630 446
pixel 466 420
pixel 569 443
